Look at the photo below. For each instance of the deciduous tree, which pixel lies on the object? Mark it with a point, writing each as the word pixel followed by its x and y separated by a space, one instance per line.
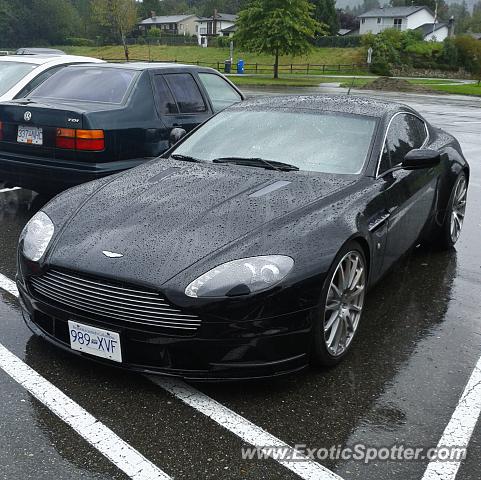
pixel 118 15
pixel 278 27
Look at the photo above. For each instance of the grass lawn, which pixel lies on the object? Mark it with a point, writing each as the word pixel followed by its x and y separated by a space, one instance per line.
pixel 470 89
pixel 282 81
pixel 192 54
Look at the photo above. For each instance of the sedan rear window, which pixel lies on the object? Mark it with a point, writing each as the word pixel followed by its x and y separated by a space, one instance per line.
pixel 311 141
pixel 12 72
pixel 87 84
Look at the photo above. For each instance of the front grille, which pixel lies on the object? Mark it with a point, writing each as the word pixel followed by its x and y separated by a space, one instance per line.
pixel 112 301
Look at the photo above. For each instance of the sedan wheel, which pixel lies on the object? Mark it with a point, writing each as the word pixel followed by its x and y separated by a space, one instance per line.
pixel 341 306
pixel 459 208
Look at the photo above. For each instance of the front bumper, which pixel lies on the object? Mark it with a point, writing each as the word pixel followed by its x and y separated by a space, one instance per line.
pixel 217 351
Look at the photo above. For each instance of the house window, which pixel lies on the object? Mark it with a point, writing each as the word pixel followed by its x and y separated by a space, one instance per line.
pixel 197 28
pixel 378 19
pixel 398 23
pixel 181 26
pixel 363 20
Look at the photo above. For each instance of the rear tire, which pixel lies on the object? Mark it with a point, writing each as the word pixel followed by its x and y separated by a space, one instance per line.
pixel 340 310
pixel 454 218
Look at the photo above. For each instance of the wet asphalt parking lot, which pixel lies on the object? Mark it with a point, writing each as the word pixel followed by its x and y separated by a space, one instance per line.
pixel 415 356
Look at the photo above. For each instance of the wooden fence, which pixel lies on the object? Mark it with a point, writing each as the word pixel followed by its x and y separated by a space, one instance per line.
pixel 264 68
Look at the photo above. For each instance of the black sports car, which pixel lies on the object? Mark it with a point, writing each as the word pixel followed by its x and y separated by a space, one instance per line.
pixel 89 121
pixel 247 249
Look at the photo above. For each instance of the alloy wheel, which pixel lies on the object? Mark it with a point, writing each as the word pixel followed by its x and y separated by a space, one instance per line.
pixel 345 299
pixel 458 209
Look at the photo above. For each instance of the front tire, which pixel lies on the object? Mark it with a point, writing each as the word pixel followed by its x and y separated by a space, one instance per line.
pixel 340 311
pixel 454 219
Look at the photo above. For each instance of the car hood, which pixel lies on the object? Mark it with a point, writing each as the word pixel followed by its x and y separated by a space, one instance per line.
pixel 166 215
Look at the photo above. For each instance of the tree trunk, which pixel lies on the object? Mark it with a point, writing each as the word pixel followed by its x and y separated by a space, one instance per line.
pixel 124 43
pixel 276 64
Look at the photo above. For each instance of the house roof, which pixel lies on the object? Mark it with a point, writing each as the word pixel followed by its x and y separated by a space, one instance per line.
pixel 228 17
pixel 429 28
pixel 394 11
pixel 165 19
pixel 230 29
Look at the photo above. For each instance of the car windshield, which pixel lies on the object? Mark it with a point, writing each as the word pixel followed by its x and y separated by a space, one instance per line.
pixel 312 141
pixel 87 84
pixel 12 72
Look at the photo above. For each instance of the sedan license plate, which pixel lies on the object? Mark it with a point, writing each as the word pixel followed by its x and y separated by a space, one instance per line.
pixel 95 341
pixel 31 135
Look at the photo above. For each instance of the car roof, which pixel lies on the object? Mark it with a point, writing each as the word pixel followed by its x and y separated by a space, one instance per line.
pixel 41 59
pixel 326 103
pixel 151 65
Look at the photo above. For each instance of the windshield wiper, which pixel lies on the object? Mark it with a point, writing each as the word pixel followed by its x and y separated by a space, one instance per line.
pixel 257 162
pixel 185 158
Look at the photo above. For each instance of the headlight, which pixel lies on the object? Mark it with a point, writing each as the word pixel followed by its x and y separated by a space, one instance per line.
pixel 36 236
pixel 240 277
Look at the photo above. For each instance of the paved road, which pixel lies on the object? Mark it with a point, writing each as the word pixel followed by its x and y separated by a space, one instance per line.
pixel 418 344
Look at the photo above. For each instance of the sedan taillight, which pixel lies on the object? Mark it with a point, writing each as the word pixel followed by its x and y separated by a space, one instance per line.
pixel 86 140
pixel 1 131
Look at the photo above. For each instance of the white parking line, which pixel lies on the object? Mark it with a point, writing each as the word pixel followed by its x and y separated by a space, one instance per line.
pixel 9 189
pixel 8 285
pixel 240 426
pixel 459 429
pixel 120 453
pixel 304 467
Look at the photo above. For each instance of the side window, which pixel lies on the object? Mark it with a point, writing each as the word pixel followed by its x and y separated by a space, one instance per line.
pixel 165 100
pixel 38 80
pixel 405 133
pixel 418 130
pixel 186 92
pixel 220 92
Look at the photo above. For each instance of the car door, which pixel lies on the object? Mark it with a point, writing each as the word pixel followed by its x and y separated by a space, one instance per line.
pixel 409 194
pixel 180 100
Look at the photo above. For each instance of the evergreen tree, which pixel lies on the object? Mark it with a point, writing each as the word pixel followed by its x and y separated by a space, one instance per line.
pixel 325 12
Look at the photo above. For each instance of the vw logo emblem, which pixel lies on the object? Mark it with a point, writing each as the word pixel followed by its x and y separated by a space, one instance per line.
pixel 27 116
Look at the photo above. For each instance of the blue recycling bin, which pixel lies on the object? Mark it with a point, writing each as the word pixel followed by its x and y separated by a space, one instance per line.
pixel 240 66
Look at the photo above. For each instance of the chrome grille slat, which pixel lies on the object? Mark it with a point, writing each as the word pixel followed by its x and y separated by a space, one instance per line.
pixel 68 301
pixel 95 286
pixel 113 302
pixel 109 285
pixel 106 306
pixel 142 307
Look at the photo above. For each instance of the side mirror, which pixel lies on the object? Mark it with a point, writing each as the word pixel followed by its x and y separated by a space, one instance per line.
pixel 175 135
pixel 421 158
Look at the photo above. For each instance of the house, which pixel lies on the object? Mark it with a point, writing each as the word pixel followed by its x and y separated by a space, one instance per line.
pixel 213 26
pixel 436 32
pixel 476 36
pixel 173 24
pixel 402 18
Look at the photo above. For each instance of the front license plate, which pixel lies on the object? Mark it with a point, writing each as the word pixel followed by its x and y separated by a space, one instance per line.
pixel 95 341
pixel 32 135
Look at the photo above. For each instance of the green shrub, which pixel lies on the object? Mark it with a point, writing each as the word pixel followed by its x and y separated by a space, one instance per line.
pixel 349 41
pixel 153 32
pixel 79 42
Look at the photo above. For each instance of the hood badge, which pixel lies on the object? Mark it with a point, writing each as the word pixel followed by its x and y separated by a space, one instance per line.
pixel 112 254
pixel 27 116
